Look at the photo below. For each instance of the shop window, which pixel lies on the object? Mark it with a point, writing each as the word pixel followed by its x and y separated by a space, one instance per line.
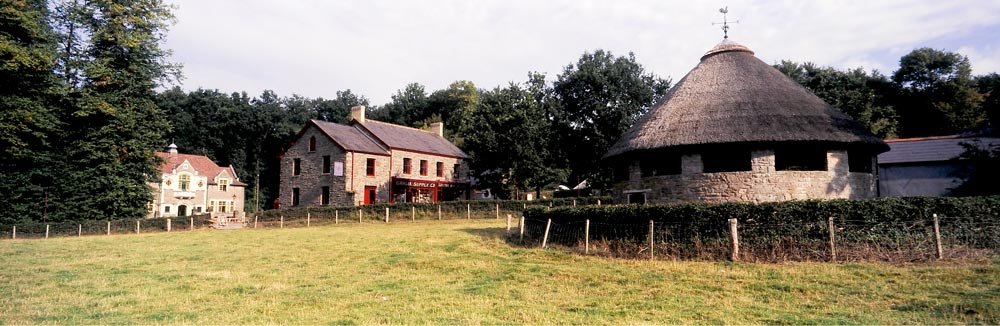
pixel 440 169
pixel 312 143
pixel 326 164
pixel 660 164
pixel 423 167
pixel 800 158
pixel 370 167
pixel 732 160
pixel 859 161
pixel 407 165
pixel 296 166
pixel 295 196
pixel 324 197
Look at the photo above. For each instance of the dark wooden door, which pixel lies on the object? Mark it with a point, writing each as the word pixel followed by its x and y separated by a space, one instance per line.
pixel 369 195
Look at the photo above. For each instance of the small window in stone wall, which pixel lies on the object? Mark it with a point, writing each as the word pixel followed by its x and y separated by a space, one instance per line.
pixel 324 198
pixel 312 144
pixel 295 196
pixel 370 167
pixel 660 164
pixel 619 171
pixel 638 198
pixel 326 164
pixel 296 166
pixel 726 160
pixel 800 158
pixel 859 161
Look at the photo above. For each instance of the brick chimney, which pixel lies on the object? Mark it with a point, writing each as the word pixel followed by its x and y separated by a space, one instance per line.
pixel 358 113
pixel 438 128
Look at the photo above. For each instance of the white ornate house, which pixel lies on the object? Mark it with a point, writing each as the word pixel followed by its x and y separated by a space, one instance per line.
pixel 193 184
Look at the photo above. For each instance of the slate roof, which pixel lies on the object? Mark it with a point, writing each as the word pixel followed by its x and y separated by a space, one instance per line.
pixel 200 163
pixel 412 139
pixel 350 138
pixel 929 149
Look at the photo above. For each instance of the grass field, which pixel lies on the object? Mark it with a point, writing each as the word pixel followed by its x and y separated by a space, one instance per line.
pixel 456 272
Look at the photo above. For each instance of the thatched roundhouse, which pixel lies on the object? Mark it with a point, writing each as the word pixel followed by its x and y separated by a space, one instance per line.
pixel 736 129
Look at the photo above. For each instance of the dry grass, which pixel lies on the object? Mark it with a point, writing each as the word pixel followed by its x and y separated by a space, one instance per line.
pixel 456 272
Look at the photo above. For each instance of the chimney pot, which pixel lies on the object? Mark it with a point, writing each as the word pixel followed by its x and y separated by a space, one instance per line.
pixel 358 113
pixel 438 128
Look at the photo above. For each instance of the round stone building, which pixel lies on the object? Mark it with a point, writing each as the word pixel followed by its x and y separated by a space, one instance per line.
pixel 737 129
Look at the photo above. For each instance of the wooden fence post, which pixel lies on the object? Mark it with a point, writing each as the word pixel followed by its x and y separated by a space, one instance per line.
pixel 468 211
pixel 524 206
pixel 521 226
pixel 336 216
pixel 598 202
pixel 498 211
pixel 109 227
pixel 282 223
pixel 734 240
pixel 79 230
pixel 191 225
pixel 308 218
pixel 168 225
pixel 439 212
pixel 586 237
pixel 574 202
pixel 833 241
pixel 508 223
pixel 13 233
pixel 651 243
pixel 255 221
pixel 387 215
pixel 46 231
pixel 359 215
pixel 413 213
pixel 545 239
pixel 937 238
pixel 136 226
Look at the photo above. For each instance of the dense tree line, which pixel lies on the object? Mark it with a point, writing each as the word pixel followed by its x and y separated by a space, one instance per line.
pixel 78 124
pixel 80 120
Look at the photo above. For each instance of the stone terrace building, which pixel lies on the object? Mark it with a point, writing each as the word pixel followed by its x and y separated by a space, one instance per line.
pixel 367 162
pixel 736 129
pixel 193 184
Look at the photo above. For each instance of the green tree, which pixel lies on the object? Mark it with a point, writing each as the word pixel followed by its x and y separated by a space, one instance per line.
pixel 599 98
pixel 937 94
pixel 511 122
pixel 453 106
pixel 865 97
pixel 408 106
pixel 338 109
pixel 28 92
pixel 989 87
pixel 113 124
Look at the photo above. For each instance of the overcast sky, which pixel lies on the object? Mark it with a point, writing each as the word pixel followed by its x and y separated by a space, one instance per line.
pixel 374 48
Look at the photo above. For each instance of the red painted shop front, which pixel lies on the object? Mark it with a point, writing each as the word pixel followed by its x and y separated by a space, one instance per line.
pixel 427 191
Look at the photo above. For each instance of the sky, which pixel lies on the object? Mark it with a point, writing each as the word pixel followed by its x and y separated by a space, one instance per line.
pixel 376 47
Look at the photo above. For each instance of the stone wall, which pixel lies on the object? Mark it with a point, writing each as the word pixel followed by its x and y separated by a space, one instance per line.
pixel 761 184
pixel 311 179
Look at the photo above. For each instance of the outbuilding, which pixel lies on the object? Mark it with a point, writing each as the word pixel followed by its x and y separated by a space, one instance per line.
pixel 737 129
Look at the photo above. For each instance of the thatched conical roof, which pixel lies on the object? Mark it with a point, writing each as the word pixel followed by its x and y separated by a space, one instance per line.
pixel 733 97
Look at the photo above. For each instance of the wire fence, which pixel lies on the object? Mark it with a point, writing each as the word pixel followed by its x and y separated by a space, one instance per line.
pixel 832 240
pixel 41 230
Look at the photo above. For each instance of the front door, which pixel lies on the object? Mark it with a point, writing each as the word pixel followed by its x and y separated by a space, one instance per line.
pixel 182 210
pixel 369 195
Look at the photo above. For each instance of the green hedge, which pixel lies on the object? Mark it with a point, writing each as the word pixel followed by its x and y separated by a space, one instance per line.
pixel 885 226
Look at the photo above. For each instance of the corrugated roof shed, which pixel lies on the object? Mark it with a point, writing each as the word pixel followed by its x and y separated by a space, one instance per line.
pixel 933 149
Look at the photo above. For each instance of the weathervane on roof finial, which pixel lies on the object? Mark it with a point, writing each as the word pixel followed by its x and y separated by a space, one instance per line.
pixel 725 23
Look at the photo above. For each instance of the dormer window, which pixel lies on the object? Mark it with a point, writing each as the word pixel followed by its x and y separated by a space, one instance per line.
pixel 223 184
pixel 184 182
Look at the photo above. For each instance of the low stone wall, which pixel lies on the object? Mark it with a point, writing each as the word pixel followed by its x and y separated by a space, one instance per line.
pixel 762 184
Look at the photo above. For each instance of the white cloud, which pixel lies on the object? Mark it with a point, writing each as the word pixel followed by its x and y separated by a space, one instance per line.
pixel 315 48
pixel 985 60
